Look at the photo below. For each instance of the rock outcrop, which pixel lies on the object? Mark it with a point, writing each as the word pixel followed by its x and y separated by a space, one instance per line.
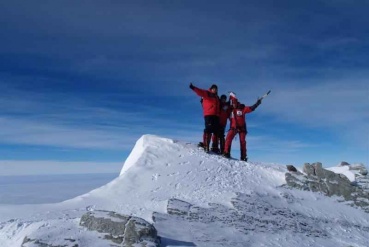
pixel 113 230
pixel 247 216
pixel 127 231
pixel 315 178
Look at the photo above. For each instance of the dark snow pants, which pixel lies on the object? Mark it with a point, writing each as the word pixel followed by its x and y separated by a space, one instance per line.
pixel 211 127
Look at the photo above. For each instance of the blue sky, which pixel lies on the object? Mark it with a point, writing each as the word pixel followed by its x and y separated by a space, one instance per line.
pixel 81 81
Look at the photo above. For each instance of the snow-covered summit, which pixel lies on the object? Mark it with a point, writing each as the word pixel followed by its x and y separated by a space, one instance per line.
pixel 165 168
pixel 229 201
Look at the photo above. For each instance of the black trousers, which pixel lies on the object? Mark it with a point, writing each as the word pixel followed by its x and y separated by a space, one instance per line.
pixel 211 127
pixel 211 124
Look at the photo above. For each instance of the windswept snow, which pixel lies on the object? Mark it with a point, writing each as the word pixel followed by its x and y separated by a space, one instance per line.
pixel 344 170
pixel 160 169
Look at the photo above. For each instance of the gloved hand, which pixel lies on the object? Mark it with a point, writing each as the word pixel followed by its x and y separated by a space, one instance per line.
pixel 254 106
pixel 192 86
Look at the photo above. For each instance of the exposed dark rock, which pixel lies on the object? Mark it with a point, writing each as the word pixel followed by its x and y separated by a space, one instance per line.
pixel 309 170
pixel 140 231
pixel 360 168
pixel 317 179
pixel 178 207
pixel 106 222
pixel 291 168
pixel 121 229
pixel 344 163
pixel 297 181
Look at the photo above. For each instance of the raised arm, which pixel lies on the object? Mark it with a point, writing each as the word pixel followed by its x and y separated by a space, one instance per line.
pixel 248 109
pixel 254 106
pixel 200 92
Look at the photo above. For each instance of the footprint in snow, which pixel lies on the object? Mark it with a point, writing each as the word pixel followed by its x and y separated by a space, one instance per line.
pixel 173 174
pixel 184 163
pixel 155 176
pixel 156 189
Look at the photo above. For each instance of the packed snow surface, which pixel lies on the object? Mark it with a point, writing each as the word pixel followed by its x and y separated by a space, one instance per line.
pixel 160 169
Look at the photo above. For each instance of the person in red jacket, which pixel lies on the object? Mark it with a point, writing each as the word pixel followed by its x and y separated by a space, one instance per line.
pixel 211 107
pixel 225 111
pixel 238 125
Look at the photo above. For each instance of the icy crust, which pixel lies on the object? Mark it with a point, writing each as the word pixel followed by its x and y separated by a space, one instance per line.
pixel 210 187
pixel 254 220
pixel 345 170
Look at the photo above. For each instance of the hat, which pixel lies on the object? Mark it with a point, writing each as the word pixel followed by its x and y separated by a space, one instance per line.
pixel 223 96
pixel 233 98
pixel 214 86
pixel 232 95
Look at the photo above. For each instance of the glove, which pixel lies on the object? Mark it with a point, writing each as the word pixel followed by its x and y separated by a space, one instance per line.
pixel 254 106
pixel 192 86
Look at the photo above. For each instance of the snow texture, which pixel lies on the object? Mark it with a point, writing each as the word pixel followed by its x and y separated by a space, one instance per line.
pixel 194 199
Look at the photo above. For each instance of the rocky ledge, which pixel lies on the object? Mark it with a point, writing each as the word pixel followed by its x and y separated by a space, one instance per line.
pixel 315 178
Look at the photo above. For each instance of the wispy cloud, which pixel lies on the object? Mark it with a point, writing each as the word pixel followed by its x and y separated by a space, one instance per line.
pixel 335 103
pixel 338 105
pixel 39 167
pixel 273 144
pixel 19 131
pixel 63 120
pixel 101 81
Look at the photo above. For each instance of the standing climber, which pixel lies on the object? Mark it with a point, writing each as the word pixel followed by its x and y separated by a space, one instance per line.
pixel 210 106
pixel 238 125
pixel 224 113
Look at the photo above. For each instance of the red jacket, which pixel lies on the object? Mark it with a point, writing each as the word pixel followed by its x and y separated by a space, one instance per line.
pixel 238 118
pixel 210 103
pixel 225 111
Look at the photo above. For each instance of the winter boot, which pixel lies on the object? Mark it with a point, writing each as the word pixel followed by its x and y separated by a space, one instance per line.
pixel 227 155
pixel 215 150
pixel 244 158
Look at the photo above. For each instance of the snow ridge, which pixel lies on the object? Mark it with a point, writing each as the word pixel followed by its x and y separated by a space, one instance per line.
pixel 196 199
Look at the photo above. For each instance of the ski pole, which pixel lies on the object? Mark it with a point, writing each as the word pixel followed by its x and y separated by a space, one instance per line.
pixel 267 93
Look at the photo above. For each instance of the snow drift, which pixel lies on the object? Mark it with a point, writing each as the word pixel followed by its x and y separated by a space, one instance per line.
pixel 228 203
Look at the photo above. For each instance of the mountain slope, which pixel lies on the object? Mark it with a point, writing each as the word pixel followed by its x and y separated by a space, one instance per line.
pixel 227 203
